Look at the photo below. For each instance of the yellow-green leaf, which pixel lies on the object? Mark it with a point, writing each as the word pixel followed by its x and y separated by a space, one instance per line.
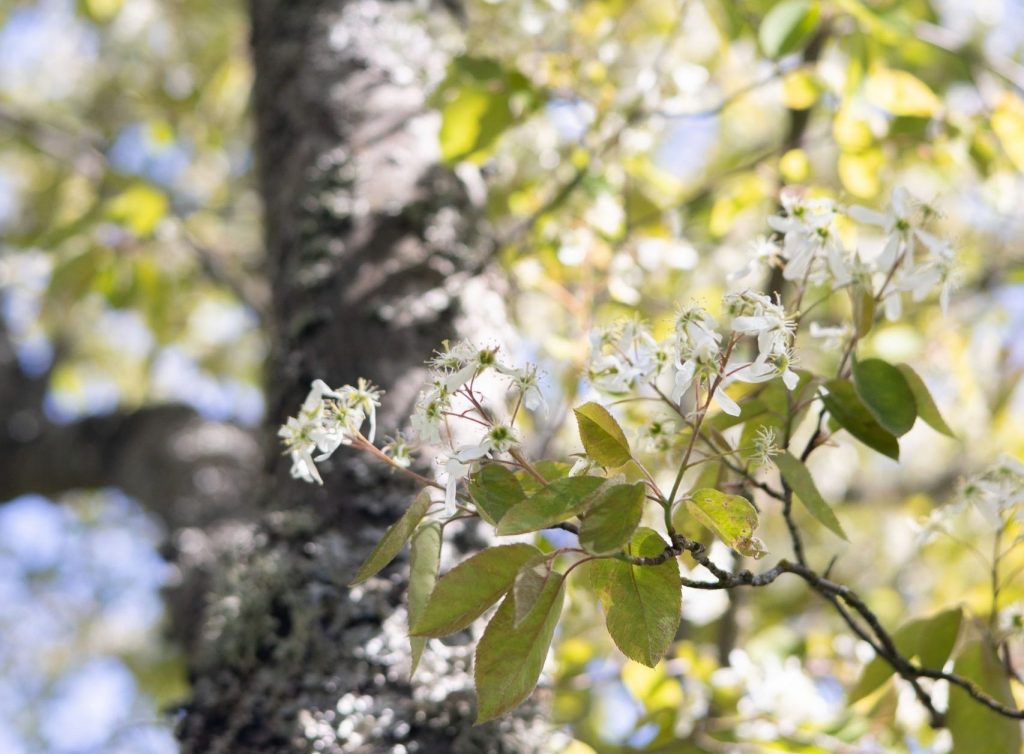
pixel 799 479
pixel 602 437
pixel 558 502
pixel 424 556
pixel 394 539
pixel 900 93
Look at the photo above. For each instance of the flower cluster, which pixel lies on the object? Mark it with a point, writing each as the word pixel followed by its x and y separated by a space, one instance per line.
pixel 626 356
pixel 912 260
pixel 327 420
pixel 330 418
pixel 450 395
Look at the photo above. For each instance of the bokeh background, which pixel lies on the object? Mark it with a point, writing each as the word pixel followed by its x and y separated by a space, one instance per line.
pixel 631 152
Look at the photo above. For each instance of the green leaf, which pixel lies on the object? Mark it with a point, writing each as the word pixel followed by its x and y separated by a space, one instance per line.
pixel 788 26
pixel 510 656
pixel 641 603
pixel 424 557
pixel 394 539
pixel 495 489
pixel 479 100
pixel 802 483
pixel 851 414
pixel 466 591
pixel 529 584
pixel 929 639
pixel 885 392
pixel 550 470
pixel 610 522
pixel 926 407
pixel 602 436
pixel 559 501
pixel 732 517
pixel 976 728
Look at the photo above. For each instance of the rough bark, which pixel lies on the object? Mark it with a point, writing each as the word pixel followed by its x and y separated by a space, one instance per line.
pixel 368 243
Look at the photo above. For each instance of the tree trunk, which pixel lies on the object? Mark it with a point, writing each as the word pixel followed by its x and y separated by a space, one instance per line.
pixel 368 242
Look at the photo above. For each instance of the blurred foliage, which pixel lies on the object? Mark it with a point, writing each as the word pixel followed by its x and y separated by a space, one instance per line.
pixel 632 151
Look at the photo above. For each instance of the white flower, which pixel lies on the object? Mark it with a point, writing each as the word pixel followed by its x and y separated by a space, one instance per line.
pixel 327 419
pixel 398 449
pixel 764 252
pixel 624 356
pixel 296 436
pixel 808 238
pixel 525 381
pixel 455 468
pixel 365 397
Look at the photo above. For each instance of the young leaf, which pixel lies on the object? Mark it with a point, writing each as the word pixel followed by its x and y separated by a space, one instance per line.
pixel 394 539
pixel 601 435
pixel 976 728
pixel 851 414
pixel 510 657
pixel 495 489
pixel 610 522
pixel 802 483
pixel 560 500
pixel 926 407
pixel 641 603
pixel 529 584
pixel 466 591
pixel 885 392
pixel 732 517
pixel 787 26
pixel 424 556
pixel 929 639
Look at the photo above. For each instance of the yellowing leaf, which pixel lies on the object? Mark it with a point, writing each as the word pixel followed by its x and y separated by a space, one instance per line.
pixel 602 437
pixel 1008 123
pixel 732 517
pixel 900 93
